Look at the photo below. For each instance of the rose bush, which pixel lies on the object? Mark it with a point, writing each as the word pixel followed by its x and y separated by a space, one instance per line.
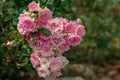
pixel 59 34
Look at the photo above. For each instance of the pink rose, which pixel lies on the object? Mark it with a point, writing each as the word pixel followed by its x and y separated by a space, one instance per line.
pixel 64 47
pixel 70 27
pixel 57 38
pixel 46 51
pixel 80 30
pixel 44 39
pixel 9 44
pixel 43 72
pixel 35 44
pixel 74 40
pixel 65 21
pixel 26 25
pixel 22 16
pixel 57 41
pixel 57 34
pixel 39 41
pixel 55 64
pixel 45 16
pixel 44 62
pixel 79 22
pixel 35 60
pixel 65 61
pixel 55 24
pixel 33 6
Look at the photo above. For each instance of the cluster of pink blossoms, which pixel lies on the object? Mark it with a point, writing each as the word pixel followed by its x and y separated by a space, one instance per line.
pixel 47 49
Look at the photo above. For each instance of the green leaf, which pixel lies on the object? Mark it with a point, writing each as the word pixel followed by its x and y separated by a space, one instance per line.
pixel 45 31
pixel 15 21
pixel 50 2
pixel 8 18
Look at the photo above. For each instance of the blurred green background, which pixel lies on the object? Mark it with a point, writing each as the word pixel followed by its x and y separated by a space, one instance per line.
pixel 101 43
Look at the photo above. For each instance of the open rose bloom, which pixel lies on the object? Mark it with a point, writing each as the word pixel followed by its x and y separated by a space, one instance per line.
pixel 49 38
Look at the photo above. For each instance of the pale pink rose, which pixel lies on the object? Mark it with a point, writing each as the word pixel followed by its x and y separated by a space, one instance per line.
pixel 52 25
pixel 33 6
pixel 9 44
pixel 65 61
pixel 44 39
pixel 55 24
pixel 45 16
pixel 43 72
pixel 80 30
pixel 35 45
pixel 57 38
pixel 79 22
pixel 26 25
pixel 22 16
pixel 56 64
pixel 65 21
pixel 46 51
pixel 74 40
pixel 57 41
pixel 35 60
pixel 44 62
pixel 39 41
pixel 64 47
pixel 57 34
pixel 70 27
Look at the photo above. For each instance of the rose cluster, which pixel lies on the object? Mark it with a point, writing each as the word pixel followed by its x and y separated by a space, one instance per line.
pixel 48 38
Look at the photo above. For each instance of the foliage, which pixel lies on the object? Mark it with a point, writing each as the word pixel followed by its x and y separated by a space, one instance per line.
pixel 101 43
